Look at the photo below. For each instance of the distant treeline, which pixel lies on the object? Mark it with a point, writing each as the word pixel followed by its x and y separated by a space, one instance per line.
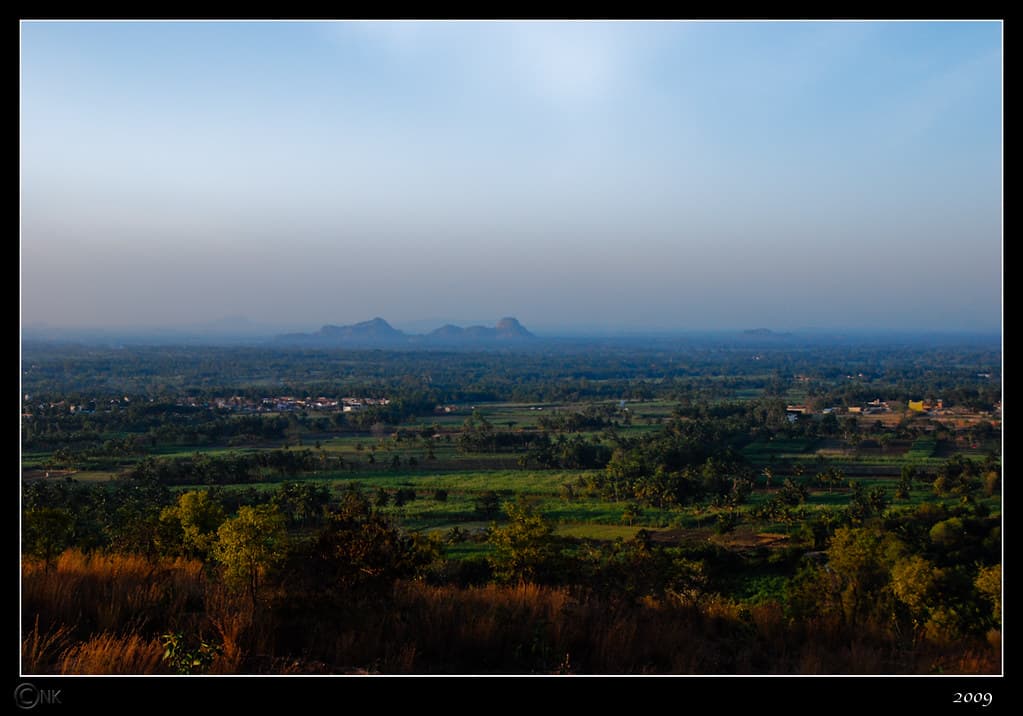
pixel 967 374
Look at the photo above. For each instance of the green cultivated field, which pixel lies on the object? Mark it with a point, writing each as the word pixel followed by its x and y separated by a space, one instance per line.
pixel 559 495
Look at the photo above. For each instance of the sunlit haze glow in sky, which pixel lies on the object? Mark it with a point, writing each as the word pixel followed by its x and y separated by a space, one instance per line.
pixel 663 175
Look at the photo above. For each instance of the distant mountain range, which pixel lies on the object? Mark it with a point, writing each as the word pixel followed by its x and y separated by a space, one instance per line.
pixel 378 332
pixel 765 333
pixel 508 333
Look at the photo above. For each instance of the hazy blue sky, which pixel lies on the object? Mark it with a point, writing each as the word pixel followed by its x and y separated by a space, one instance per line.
pixel 670 175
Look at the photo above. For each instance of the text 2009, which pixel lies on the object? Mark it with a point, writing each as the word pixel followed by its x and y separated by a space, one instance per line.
pixel 984 699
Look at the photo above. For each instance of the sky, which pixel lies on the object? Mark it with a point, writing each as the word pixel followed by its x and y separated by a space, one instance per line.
pixel 640 175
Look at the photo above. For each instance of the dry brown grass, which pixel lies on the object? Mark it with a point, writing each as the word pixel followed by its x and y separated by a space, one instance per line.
pixel 95 614
pixel 232 620
pixel 40 649
pixel 97 592
pixel 112 654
